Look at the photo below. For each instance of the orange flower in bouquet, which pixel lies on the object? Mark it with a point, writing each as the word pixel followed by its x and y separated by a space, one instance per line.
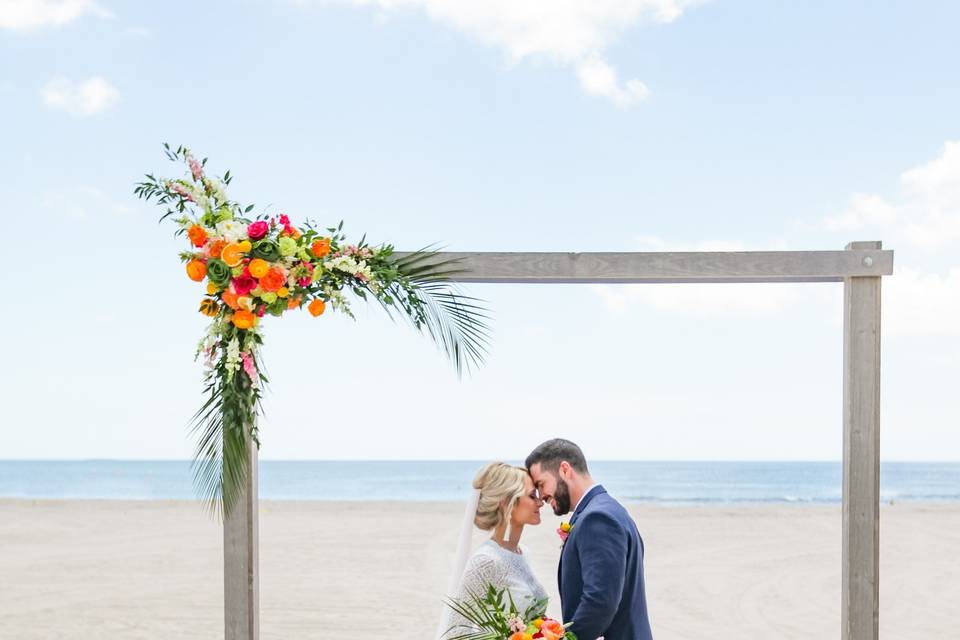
pixel 243 319
pixel 273 280
pixel 196 270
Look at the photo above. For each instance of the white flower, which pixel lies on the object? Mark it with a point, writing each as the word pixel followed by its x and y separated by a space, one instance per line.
pixel 217 188
pixel 341 263
pixel 231 230
pixel 363 270
pixel 233 358
pixel 337 300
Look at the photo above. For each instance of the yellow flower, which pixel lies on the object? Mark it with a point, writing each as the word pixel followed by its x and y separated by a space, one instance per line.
pixel 283 292
pixel 245 246
pixel 258 267
pixel 212 288
pixel 565 527
pixel 244 302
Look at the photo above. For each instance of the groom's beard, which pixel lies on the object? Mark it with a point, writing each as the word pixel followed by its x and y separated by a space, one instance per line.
pixel 561 498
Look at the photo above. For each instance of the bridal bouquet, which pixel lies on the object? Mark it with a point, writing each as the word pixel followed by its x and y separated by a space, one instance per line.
pixel 252 265
pixel 494 616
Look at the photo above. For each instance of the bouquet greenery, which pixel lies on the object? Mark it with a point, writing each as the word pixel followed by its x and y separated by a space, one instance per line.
pixel 494 616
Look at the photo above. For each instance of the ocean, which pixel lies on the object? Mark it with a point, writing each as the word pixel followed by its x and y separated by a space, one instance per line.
pixel 671 483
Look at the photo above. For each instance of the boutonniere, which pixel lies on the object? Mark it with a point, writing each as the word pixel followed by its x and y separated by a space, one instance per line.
pixel 564 531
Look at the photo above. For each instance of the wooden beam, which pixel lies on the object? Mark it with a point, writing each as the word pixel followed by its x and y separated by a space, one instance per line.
pixel 241 564
pixel 860 607
pixel 744 266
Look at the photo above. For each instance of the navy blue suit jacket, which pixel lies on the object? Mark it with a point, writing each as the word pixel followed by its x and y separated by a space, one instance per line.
pixel 601 572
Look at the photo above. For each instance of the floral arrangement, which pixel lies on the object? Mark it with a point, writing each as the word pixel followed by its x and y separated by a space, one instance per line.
pixel 494 616
pixel 258 265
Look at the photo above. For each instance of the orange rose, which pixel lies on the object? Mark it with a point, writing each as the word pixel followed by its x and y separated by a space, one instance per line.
pixel 320 247
pixel 230 299
pixel 243 319
pixel 552 630
pixel 259 267
pixel 196 270
pixel 197 235
pixel 317 307
pixel 215 248
pixel 293 303
pixel 273 280
pixel 519 635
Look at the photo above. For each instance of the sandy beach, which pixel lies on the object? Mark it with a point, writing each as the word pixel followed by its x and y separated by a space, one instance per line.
pixel 152 569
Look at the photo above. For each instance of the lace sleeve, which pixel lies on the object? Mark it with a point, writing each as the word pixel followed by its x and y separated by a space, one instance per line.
pixel 481 571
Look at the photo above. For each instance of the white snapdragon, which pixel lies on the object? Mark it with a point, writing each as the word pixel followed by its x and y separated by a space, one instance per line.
pixel 337 300
pixel 216 187
pixel 202 201
pixel 233 358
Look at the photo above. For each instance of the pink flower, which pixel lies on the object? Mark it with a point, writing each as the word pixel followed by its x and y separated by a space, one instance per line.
pixel 195 168
pixel 180 190
pixel 258 230
pixel 304 281
pixel 244 285
pixel 285 221
pixel 249 367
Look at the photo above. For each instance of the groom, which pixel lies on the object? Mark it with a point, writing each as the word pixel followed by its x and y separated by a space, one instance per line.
pixel 601 564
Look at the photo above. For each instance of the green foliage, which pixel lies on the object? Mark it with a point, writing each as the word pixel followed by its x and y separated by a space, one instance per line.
pixel 488 615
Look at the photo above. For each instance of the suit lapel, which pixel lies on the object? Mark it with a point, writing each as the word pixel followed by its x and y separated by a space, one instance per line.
pixel 593 493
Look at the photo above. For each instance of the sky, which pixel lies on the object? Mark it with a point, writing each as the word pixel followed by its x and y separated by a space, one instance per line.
pixel 508 125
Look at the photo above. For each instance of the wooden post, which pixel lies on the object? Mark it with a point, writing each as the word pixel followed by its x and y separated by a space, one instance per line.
pixel 860 606
pixel 241 565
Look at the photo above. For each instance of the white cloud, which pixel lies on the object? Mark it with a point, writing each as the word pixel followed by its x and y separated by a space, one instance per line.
pixel 31 14
pixel 89 97
pixel 864 210
pixel 921 222
pixel 570 33
pixel 926 211
pixel 600 79
pixel 916 303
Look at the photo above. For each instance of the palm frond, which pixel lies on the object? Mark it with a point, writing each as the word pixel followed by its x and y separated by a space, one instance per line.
pixel 457 323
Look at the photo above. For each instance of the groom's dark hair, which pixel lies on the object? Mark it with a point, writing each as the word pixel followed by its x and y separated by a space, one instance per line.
pixel 552 452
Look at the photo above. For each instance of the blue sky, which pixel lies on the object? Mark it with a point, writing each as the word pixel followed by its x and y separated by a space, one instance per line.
pixel 626 125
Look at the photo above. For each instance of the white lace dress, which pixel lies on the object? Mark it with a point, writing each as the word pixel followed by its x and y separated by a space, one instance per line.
pixel 491 564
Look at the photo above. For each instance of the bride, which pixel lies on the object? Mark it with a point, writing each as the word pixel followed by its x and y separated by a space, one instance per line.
pixel 504 502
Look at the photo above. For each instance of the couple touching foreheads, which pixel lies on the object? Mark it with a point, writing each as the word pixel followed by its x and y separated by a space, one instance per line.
pixel 601 563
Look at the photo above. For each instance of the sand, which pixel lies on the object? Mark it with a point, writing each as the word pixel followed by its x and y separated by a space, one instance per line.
pixel 121 569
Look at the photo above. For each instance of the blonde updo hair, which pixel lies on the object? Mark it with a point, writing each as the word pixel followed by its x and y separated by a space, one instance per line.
pixel 500 486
